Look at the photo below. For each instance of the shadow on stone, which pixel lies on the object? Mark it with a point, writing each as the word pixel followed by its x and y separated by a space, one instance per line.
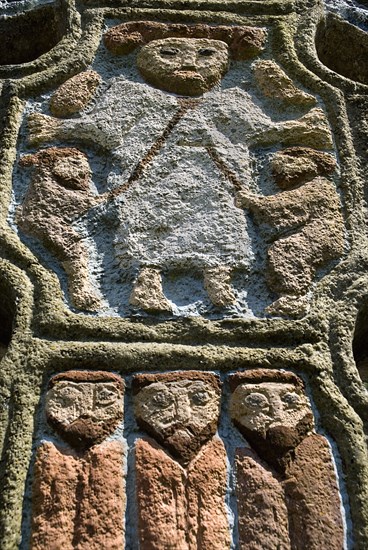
pixel 360 343
pixel 343 48
pixel 29 35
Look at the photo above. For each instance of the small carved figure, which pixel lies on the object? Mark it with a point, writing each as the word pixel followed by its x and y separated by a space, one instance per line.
pixel 175 154
pixel 287 492
pixel 181 476
pixel 60 193
pixel 78 498
pixel 308 222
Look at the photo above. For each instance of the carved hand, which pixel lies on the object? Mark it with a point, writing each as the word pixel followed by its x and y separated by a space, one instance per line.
pixel 42 128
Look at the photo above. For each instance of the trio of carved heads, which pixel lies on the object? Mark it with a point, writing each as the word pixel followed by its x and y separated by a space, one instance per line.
pixel 181 409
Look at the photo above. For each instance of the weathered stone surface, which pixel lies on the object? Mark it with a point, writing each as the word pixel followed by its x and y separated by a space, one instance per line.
pixel 274 416
pixel 78 501
pixel 298 164
pixel 310 130
pixel 147 291
pixel 182 65
pixel 181 508
pixel 312 497
pixel 262 514
pixel 72 96
pixel 313 211
pixel 83 410
pixel 244 42
pixel 274 83
pixel 217 284
pixel 59 193
pixel 343 47
pixel 181 413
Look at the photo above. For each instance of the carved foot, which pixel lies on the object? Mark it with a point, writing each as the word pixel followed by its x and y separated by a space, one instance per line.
pixel 147 292
pixel 217 284
pixel 85 298
pixel 289 306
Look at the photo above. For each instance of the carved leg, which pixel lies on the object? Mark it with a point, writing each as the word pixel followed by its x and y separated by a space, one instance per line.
pixel 100 520
pixel 54 506
pixel 263 517
pixel 290 272
pixel 217 284
pixel 147 292
pixel 66 244
pixel 208 523
pixel 81 292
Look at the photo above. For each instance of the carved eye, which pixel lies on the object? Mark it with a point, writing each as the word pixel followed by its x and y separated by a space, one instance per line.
pixel 106 396
pixel 200 398
pixel 170 52
pixel 67 396
pixel 162 400
pixel 256 401
pixel 292 399
pixel 206 52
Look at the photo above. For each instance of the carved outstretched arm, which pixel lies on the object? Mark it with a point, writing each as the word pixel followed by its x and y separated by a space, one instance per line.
pixel 311 130
pixel 282 210
pixel 43 128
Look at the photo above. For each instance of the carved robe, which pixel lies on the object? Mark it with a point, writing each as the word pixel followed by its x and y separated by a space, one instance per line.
pixel 181 508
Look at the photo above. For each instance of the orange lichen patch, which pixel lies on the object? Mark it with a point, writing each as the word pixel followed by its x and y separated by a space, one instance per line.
pixel 243 42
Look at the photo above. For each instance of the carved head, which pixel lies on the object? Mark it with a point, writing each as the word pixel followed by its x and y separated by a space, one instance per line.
pixel 68 165
pixel 84 407
pixel 186 66
pixel 180 410
pixel 271 410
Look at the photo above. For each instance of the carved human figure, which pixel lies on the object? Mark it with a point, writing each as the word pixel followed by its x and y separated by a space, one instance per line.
pixel 181 472
pixel 307 222
pixel 176 154
pixel 287 492
pixel 78 498
pixel 59 193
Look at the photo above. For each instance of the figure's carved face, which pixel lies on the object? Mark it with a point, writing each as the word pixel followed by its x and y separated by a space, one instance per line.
pixel 274 417
pixel 74 172
pixel 182 415
pixel 185 66
pixel 262 406
pixel 84 413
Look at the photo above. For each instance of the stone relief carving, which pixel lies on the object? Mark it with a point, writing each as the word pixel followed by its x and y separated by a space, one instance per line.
pixel 184 471
pixel 79 490
pixel 177 162
pixel 181 479
pixel 311 211
pixel 286 484
pixel 58 194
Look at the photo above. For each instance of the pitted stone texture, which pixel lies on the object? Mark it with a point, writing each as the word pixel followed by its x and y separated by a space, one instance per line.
pixel 313 211
pixel 181 509
pixel 217 283
pixel 310 130
pixel 72 96
pixel 180 412
pixel 296 165
pixel 78 502
pixel 186 66
pixel 85 412
pixel 274 416
pixel 59 193
pixel 147 291
pixel 244 42
pixel 312 497
pixel 262 406
pixel 274 83
pixel 262 514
